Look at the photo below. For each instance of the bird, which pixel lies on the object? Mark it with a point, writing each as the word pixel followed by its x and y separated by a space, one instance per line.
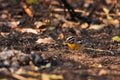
pixel 73 43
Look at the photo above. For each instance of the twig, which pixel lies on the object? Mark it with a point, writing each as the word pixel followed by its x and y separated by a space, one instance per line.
pixel 75 15
pixel 100 50
pixel 82 12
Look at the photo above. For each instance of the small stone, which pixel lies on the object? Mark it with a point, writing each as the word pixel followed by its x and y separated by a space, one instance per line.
pixel 37 59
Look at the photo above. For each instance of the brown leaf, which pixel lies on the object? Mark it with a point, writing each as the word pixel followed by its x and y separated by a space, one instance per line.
pixel 116 38
pixel 4 34
pixel 52 77
pixel 103 72
pixel 114 22
pixel 28 30
pixel 27 10
pixel 97 65
pixel 38 24
pixel 45 77
pixel 61 36
pixel 45 40
pixel 84 25
pixel 96 27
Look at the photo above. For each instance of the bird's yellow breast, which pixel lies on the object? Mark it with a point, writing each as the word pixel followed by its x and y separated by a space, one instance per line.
pixel 74 46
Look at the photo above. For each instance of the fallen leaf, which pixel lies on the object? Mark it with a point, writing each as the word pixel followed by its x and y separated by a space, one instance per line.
pixel 27 9
pixel 61 36
pixel 4 16
pixel 70 24
pixel 19 77
pixel 107 13
pixel 48 65
pixel 96 27
pixel 20 71
pixel 97 65
pixel 45 77
pixel 32 1
pixel 33 74
pixel 111 1
pixel 116 38
pixel 114 22
pixel 51 28
pixel 84 25
pixel 45 40
pixel 4 34
pixel 13 24
pixel 38 24
pixel 56 77
pixel 103 72
pixel 109 19
pixel 27 30
pixel 51 77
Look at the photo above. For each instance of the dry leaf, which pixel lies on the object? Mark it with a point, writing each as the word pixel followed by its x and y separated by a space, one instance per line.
pixel 48 65
pixel 96 27
pixel 18 77
pixel 56 77
pixel 27 30
pixel 45 77
pixel 103 72
pixel 52 77
pixel 13 24
pixel 20 71
pixel 109 19
pixel 97 66
pixel 27 10
pixel 107 13
pixel 4 34
pixel 70 24
pixel 4 16
pixel 114 22
pixel 61 36
pixel 116 38
pixel 32 1
pixel 38 24
pixel 33 74
pixel 51 27
pixel 45 40
pixel 84 25
pixel 111 1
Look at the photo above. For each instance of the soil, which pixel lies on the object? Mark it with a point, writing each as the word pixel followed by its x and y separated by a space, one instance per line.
pixel 20 53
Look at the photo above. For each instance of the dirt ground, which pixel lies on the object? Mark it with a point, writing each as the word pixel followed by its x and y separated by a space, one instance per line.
pixel 33 40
